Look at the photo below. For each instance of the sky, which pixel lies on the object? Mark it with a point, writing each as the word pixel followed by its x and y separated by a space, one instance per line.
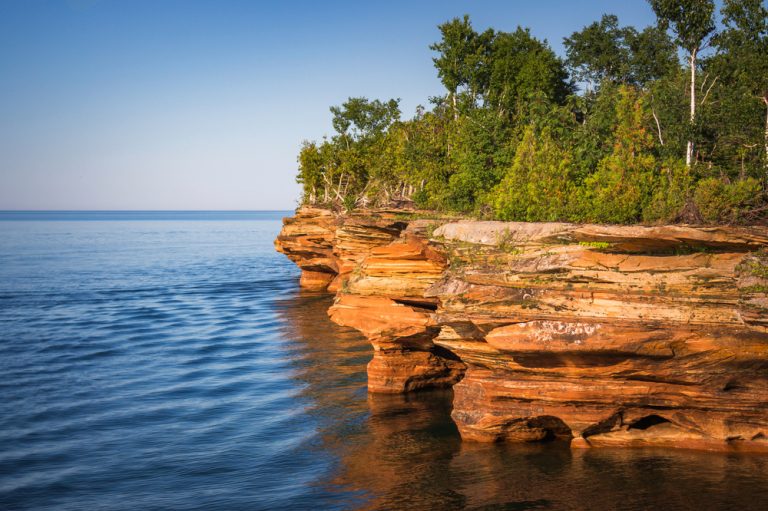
pixel 203 105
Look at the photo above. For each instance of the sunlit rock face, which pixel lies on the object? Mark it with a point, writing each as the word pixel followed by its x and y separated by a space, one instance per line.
pixel 598 335
pixel 307 239
pixel 384 298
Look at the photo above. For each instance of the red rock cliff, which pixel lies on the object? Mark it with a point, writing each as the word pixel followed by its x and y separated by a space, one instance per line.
pixel 599 335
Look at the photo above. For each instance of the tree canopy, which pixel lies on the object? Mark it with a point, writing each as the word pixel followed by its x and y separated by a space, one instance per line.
pixel 606 134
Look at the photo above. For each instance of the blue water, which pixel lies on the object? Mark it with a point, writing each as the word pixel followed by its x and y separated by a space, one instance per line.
pixel 167 360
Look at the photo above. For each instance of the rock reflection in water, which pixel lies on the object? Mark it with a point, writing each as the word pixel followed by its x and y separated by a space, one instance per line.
pixel 401 459
pixel 404 452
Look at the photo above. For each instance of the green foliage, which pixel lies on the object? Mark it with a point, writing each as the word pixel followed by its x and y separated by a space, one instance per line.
pixel 755 289
pixel 653 55
pixel 599 51
pixel 463 57
pixel 621 188
pixel 538 185
pixel 479 154
pixel 592 138
pixel 692 21
pixel 349 202
pixel 604 51
pixel 522 66
pixel 506 244
pixel 671 188
pixel 755 265
pixel 737 138
pixel 720 202
pixel 361 119
pixel 511 138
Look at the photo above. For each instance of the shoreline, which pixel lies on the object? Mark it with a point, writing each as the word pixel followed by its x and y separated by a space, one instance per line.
pixel 600 335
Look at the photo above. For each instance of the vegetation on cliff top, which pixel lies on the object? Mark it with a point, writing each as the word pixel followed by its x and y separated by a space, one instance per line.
pixel 621 131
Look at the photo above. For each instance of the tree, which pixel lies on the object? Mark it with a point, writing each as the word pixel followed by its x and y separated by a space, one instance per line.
pixel 511 140
pixel 622 185
pixel 743 46
pixel 319 171
pixel 481 150
pixel 426 152
pixel 605 51
pixel 692 22
pixel 360 118
pixel 310 174
pixel 606 55
pixel 522 66
pixel 653 55
pixel 599 51
pixel 538 186
pixel 462 58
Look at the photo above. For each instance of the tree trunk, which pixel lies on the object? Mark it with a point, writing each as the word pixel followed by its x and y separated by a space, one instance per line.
pixel 325 187
pixel 765 140
pixel 658 126
pixel 689 148
pixel 338 189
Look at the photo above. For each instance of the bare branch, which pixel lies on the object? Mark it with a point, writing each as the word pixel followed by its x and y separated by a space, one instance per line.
pixel 709 89
pixel 655 118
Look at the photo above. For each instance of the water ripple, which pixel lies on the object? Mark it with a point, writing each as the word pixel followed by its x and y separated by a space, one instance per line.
pixel 174 365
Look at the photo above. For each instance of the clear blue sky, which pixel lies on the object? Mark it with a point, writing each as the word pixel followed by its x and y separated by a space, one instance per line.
pixel 203 105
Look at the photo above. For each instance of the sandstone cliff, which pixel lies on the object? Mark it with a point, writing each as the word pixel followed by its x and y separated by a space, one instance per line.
pixel 598 335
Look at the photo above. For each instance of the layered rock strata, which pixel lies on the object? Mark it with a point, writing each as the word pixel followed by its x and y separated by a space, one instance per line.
pixel 598 335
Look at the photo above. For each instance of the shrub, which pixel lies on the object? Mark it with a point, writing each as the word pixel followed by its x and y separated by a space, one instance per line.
pixel 671 188
pixel 621 188
pixel 719 201
pixel 538 186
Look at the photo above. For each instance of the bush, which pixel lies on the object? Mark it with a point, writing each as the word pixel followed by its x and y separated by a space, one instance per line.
pixel 721 202
pixel 538 187
pixel 671 189
pixel 621 187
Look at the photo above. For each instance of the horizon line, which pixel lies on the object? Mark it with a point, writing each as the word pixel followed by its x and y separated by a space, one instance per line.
pixel 140 210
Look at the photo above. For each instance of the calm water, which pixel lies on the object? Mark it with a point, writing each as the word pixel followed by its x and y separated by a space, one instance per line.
pixel 168 361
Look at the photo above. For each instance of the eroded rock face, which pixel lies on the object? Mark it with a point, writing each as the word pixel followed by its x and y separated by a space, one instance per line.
pixel 327 246
pixel 307 238
pixel 380 267
pixel 599 335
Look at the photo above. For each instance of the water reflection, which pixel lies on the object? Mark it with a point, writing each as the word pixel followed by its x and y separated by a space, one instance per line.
pixel 401 456
pixel 404 452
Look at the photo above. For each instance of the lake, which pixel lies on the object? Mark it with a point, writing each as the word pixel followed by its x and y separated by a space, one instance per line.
pixel 168 360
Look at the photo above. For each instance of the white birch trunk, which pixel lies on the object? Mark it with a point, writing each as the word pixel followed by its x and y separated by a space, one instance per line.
pixel 765 139
pixel 689 148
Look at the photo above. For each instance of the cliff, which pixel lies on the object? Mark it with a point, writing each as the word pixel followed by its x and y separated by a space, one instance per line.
pixel 598 335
